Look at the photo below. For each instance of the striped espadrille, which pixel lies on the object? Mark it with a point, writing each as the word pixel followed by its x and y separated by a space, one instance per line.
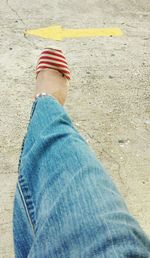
pixel 53 59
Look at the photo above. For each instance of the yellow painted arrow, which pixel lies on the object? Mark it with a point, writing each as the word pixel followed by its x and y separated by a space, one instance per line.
pixel 58 33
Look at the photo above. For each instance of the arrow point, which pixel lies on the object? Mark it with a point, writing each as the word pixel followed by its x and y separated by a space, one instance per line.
pixel 53 32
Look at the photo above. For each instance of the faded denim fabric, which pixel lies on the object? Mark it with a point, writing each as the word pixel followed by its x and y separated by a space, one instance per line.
pixel 66 205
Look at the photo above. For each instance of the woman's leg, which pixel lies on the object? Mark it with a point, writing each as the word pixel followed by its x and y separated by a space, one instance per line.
pixel 66 205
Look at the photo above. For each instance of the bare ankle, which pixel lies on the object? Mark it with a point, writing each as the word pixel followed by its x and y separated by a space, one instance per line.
pixel 53 83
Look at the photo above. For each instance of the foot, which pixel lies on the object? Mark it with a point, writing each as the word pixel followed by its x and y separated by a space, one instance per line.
pixel 53 83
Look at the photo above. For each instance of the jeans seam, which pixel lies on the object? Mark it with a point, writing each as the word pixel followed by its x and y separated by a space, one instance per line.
pixel 25 207
pixel 31 114
pixel 23 142
pixel 27 200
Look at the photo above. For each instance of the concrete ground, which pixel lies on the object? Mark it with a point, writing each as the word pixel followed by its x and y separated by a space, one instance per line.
pixel 108 99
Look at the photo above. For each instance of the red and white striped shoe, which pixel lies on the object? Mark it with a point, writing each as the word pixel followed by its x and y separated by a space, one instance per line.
pixel 51 58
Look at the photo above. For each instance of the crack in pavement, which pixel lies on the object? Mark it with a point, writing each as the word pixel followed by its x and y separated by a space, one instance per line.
pixel 14 11
pixel 20 18
pixel 30 42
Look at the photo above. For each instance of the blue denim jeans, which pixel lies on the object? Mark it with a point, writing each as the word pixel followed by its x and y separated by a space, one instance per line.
pixel 66 205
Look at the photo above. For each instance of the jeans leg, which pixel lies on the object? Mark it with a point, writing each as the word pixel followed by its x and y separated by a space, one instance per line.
pixel 71 207
pixel 23 231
